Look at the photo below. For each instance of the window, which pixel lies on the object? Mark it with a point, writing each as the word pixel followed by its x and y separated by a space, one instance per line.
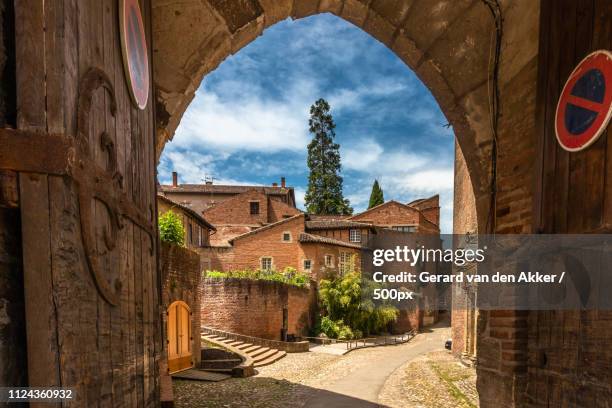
pixel 254 206
pixel 286 237
pixel 190 238
pixel 307 264
pixel 329 261
pixel 355 235
pixel 266 263
pixel 404 228
pixel 199 236
pixel 346 263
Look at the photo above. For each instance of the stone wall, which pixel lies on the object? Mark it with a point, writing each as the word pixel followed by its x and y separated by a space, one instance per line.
pixel 255 308
pixel 180 273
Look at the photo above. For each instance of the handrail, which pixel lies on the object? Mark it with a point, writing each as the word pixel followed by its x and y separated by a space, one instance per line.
pixel 365 342
pixel 290 347
pixel 380 341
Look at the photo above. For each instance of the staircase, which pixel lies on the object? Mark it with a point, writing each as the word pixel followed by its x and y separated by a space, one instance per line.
pixel 258 355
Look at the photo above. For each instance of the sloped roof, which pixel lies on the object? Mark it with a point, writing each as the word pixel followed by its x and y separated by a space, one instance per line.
pixel 266 227
pixel 222 189
pixel 385 204
pixel 188 210
pixel 317 239
pixel 334 224
pixel 315 217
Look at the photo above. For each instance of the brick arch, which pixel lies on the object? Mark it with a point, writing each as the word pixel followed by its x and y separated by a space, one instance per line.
pixel 450 54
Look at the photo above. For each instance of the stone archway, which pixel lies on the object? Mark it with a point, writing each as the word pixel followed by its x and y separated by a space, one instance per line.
pixel 451 55
pixel 449 44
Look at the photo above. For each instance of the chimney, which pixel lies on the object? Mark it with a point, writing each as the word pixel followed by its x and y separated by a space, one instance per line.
pixel 174 179
pixel 282 182
pixel 274 184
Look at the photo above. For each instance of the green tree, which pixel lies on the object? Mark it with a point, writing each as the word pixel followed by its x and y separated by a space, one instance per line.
pixel 348 307
pixel 171 229
pixel 324 194
pixel 376 196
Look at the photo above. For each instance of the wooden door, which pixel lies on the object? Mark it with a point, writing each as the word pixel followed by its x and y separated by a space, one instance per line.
pixel 179 337
pixel 85 160
pixel 573 195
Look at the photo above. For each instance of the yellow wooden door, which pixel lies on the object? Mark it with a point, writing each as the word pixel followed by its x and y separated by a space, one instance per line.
pixel 179 337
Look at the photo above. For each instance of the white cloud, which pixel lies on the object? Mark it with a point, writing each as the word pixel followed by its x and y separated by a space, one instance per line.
pixel 300 193
pixel 250 124
pixel 367 155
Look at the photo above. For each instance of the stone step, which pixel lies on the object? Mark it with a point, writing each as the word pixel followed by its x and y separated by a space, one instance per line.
pixel 262 356
pixel 252 348
pixel 213 338
pixel 258 351
pixel 220 363
pixel 273 358
pixel 244 346
pixel 220 370
pixel 235 343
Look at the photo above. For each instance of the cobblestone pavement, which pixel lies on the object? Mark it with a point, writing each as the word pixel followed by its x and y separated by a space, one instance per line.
pixel 313 379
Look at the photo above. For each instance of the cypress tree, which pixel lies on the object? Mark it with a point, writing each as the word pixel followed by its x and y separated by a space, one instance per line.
pixel 376 196
pixel 324 194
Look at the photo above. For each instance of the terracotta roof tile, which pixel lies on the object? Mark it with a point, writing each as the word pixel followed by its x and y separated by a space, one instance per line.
pixel 311 238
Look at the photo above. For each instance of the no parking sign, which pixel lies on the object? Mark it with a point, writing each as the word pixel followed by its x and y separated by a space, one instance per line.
pixel 585 104
pixel 134 51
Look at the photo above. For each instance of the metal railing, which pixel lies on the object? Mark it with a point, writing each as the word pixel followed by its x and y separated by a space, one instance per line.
pixel 365 342
pixel 380 340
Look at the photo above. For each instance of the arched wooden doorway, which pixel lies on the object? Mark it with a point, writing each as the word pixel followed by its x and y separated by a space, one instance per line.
pixel 179 337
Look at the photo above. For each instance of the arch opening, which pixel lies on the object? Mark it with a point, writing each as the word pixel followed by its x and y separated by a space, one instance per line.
pixel 450 57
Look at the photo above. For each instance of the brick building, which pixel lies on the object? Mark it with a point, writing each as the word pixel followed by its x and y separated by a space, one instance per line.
pixel 200 197
pixel 291 243
pixel 420 216
pixel 197 230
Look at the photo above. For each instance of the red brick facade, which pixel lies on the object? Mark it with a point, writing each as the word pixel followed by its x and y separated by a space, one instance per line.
pixel 393 214
pixel 255 308
pixel 200 197
pixel 288 245
pixel 238 210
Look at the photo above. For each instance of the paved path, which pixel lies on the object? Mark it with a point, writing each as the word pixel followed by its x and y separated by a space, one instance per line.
pixel 360 389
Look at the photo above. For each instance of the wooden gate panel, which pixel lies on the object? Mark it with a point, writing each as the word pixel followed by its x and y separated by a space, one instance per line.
pixel 108 353
pixel 573 195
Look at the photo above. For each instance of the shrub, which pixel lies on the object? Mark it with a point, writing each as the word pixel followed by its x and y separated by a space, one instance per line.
pixel 346 303
pixel 171 229
pixel 289 276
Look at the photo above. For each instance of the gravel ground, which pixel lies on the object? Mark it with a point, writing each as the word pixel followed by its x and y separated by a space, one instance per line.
pixel 434 380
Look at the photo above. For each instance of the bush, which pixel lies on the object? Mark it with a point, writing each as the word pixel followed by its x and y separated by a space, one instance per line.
pixel 336 329
pixel 348 309
pixel 289 276
pixel 171 229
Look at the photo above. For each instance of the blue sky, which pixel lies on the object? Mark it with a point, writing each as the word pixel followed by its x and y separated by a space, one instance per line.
pixel 248 123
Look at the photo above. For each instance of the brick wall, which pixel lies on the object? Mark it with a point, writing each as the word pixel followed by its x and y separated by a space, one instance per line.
pixel 393 213
pixel 255 308
pixel 236 210
pixel 278 210
pixel 180 273
pixel 343 234
pixel 464 221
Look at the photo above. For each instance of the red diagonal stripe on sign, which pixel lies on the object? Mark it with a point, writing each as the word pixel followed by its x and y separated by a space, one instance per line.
pixel 585 103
